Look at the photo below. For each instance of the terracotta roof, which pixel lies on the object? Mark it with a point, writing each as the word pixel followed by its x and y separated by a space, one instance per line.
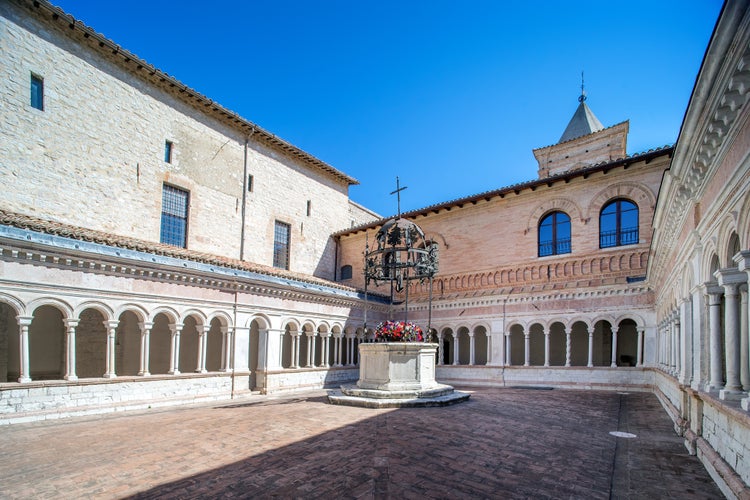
pixel 151 74
pixel 517 188
pixel 79 233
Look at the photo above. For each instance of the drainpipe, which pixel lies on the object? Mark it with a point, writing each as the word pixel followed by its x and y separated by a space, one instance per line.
pixel 244 195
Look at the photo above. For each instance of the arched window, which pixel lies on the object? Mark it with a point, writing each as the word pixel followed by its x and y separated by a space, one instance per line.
pixel 618 224
pixel 554 234
pixel 346 272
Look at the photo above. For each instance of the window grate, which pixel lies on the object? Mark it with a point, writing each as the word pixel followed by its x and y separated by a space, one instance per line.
pixel 174 213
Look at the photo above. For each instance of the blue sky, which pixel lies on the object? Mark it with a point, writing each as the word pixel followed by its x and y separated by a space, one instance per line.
pixel 450 96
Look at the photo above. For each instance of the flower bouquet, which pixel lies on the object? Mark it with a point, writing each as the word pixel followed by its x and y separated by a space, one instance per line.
pixel 398 331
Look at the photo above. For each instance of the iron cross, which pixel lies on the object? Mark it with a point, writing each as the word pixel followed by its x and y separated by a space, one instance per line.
pixel 397 192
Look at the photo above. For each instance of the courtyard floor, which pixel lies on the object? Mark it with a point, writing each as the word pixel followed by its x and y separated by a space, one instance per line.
pixel 502 443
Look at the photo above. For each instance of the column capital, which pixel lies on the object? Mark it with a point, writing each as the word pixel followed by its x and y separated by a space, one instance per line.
pixel 730 278
pixel 175 327
pixel 146 325
pixel 743 260
pixel 24 320
pixel 112 323
pixel 71 323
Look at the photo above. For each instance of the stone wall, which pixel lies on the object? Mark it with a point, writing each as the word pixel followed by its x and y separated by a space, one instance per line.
pixel 99 144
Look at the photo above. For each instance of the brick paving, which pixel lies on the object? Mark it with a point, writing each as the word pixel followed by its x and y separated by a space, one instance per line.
pixel 502 443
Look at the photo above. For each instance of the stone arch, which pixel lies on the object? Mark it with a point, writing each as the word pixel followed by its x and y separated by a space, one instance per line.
pixel 733 247
pixel 65 308
pixel 579 341
pixel 106 311
pixel 10 309
pixel 464 345
pixel 602 341
pixel 291 328
pixel 627 342
pixel 198 315
pixel 91 342
pixel 449 354
pixel 557 342
pixel 223 318
pixel 516 354
pixel 481 342
pixel 536 344
pixel 743 223
pixel 130 323
pixel 47 339
pixel 160 340
pixel 217 337
pixel 139 311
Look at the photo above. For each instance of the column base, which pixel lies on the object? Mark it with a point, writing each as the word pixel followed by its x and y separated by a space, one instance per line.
pixel 745 404
pixel 174 372
pixel 24 380
pixel 71 378
pixel 731 395
pixel 144 374
pixel 109 375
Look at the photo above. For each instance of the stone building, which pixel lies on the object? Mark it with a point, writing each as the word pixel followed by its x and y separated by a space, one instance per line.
pixel 158 249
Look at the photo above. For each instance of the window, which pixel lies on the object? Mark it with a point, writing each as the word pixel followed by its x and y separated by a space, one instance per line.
pixel 281 245
pixel 618 224
pixel 554 234
pixel 37 92
pixel 346 272
pixel 174 212
pixel 168 151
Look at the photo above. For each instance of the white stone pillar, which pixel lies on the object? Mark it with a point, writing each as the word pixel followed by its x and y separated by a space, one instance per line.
pixel 203 347
pixel 489 347
pixel 591 348
pixel 639 354
pixel 440 348
pixel 326 349
pixel 700 357
pixel 70 358
pixel 226 351
pixel 24 322
pixel 714 325
pixel 310 349
pixel 676 333
pixel 295 336
pixel 526 348
pixel 471 348
pixel 686 340
pixel 337 349
pixel 546 346
pixel 455 348
pixel 174 362
pixel 507 349
pixel 145 348
pixel 111 327
pixel 730 281
pixel 613 362
pixel 744 341
pixel 568 347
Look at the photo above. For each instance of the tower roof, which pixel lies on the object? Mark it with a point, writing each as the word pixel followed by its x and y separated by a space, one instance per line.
pixel 583 122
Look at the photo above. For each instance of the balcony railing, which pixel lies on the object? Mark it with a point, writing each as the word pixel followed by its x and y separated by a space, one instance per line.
pixel 627 236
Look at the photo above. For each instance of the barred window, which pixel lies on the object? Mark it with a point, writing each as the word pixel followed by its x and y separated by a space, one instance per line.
pixel 618 224
pixel 281 245
pixel 346 272
pixel 554 234
pixel 174 213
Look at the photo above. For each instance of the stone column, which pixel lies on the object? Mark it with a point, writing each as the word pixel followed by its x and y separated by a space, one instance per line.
pixel 174 361
pixel 311 346
pixel 568 346
pixel 591 349
pixel 326 349
pixel 613 362
pixel 639 354
pixel 507 350
pixel 676 332
pixel 546 346
pixel 24 374
pixel 730 280
pixel 700 357
pixel 455 348
pixel 226 351
pixel 714 328
pixel 70 358
pixel 145 348
pixel 202 348
pixel 744 341
pixel 489 347
pixel 526 348
pixel 337 349
pixel 685 313
pixel 440 348
pixel 471 348
pixel 295 336
pixel 111 327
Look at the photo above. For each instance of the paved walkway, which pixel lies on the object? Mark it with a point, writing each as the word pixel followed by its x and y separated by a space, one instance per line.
pixel 502 443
